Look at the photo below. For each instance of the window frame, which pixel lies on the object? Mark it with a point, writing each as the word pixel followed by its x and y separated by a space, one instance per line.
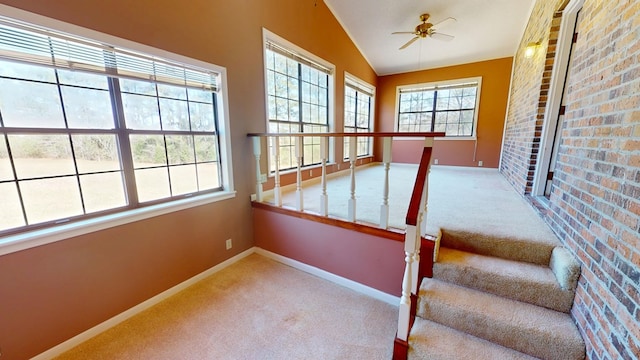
pixel 270 37
pixel 365 88
pixel 435 85
pixel 39 235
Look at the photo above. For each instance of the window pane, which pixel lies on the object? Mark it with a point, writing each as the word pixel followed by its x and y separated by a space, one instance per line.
pixel 102 191
pixel 138 87
pixel 29 104
pixel 183 179
pixel 208 176
pixel 174 114
pixel 10 211
pixel 87 109
pixel 152 184
pixel 83 79
pixel 206 148
pixel 95 153
pixel 202 117
pixel 148 150
pixel 200 95
pixel 180 149
pixel 171 91
pixel 6 172
pixel 28 72
pixel 51 199
pixel 141 112
pixel 41 155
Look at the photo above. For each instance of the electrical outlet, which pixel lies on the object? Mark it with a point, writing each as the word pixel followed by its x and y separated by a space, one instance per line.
pixel 435 162
pixel 480 163
pixel 310 173
pixel 229 244
pixel 253 197
pixel 263 178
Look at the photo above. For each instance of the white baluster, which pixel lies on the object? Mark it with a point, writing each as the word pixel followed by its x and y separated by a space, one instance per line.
pixel 277 192
pixel 298 149
pixel 353 155
pixel 324 154
pixel 384 208
pixel 257 152
pixel 404 309
pixel 411 247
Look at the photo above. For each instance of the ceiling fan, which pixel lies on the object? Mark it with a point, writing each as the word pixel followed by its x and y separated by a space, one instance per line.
pixel 427 29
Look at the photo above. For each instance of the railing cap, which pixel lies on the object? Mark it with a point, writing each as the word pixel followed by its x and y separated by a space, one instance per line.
pixel 342 134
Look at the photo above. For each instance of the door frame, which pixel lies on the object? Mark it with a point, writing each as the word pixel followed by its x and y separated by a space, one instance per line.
pixel 556 87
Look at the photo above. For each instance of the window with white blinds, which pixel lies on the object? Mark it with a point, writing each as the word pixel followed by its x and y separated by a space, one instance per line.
pixel 449 107
pixel 88 128
pixel 298 98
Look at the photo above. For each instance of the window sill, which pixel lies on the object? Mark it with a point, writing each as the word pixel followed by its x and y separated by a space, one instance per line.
pixel 23 241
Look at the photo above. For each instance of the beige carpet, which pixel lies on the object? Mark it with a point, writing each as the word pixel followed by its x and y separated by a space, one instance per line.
pixel 254 309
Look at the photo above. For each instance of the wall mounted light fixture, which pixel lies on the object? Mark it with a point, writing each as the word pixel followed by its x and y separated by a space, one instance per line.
pixel 531 49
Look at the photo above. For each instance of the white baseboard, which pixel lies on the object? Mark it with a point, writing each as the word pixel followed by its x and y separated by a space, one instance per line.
pixel 84 336
pixel 356 286
pixel 105 325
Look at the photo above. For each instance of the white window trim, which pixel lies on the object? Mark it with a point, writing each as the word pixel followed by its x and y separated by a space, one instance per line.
pixel 29 239
pixel 268 36
pixel 474 136
pixel 359 83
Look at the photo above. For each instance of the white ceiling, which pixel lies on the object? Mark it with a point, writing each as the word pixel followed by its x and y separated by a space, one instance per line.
pixel 485 29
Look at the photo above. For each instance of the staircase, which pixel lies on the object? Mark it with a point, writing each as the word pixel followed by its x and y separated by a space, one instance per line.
pixel 497 299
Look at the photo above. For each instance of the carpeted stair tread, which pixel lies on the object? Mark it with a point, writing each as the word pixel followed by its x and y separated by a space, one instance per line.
pixel 433 341
pixel 525 250
pixel 531 283
pixel 534 330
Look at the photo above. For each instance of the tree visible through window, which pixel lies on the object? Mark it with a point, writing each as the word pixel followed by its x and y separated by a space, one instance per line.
pixel 85 134
pixel 298 102
pixel 444 108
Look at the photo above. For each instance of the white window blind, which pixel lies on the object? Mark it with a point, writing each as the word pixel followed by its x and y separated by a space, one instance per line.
pixel 29 44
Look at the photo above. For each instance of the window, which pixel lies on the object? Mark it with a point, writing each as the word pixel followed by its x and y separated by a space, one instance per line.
pixel 298 93
pixel 444 107
pixel 88 128
pixel 358 105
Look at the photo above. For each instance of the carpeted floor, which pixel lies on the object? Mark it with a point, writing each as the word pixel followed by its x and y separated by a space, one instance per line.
pixel 254 309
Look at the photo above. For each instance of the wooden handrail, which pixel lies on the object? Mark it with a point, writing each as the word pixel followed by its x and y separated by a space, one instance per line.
pixel 418 188
pixel 361 134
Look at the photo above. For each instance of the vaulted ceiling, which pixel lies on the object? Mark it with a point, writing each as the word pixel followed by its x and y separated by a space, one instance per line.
pixel 483 30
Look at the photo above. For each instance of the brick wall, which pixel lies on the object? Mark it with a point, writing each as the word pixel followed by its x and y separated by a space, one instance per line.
pixel 595 205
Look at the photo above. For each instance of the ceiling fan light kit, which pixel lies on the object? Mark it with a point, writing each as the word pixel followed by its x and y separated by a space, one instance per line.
pixel 427 29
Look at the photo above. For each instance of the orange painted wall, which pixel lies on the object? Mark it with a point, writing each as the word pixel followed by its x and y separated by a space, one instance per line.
pixel 56 291
pixel 496 76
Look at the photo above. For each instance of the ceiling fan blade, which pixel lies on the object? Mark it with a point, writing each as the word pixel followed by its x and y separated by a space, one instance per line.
pixel 441 36
pixel 445 22
pixel 403 32
pixel 409 42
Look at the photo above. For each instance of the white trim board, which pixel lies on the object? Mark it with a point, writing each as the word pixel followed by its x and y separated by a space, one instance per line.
pixel 107 324
pixel 323 274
